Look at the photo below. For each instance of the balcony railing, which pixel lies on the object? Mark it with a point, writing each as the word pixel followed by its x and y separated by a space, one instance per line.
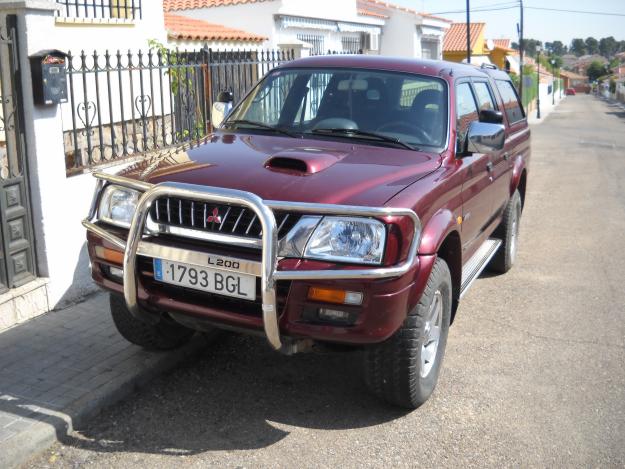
pixel 100 9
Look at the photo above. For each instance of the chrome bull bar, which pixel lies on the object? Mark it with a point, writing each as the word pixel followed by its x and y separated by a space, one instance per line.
pixel 269 254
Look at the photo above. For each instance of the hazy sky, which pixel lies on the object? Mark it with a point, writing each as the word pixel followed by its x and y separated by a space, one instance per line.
pixel 539 24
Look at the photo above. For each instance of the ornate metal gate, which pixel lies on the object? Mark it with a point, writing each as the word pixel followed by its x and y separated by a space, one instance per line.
pixel 17 255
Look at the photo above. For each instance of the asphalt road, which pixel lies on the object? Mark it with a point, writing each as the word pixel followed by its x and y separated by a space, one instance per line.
pixel 534 373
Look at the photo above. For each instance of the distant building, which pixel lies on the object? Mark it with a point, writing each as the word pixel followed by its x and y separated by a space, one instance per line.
pixel 491 51
pixel 344 26
pixel 573 80
pixel 189 33
pixel 582 63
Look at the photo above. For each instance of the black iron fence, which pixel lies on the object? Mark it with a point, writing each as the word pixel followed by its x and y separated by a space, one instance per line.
pixel 106 9
pixel 124 105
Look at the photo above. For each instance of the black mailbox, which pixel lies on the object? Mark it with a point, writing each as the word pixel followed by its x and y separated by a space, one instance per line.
pixel 49 76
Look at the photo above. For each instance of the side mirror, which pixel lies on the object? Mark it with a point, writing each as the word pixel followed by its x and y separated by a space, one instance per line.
pixel 490 116
pixel 221 108
pixel 485 138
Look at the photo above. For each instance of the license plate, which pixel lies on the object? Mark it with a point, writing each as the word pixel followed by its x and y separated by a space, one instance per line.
pixel 217 281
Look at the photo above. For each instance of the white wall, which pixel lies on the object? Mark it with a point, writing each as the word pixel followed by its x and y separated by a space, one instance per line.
pixel 215 45
pixel 110 34
pixel 399 36
pixel 260 18
pixel 344 10
pixel 60 203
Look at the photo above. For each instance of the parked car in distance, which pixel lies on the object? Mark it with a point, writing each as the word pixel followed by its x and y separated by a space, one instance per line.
pixel 345 200
pixel 570 92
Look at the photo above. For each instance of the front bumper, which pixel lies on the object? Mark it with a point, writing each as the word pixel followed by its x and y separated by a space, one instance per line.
pixel 270 270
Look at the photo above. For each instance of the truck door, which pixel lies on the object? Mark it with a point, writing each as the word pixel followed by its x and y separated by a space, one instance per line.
pixel 501 169
pixel 517 130
pixel 477 205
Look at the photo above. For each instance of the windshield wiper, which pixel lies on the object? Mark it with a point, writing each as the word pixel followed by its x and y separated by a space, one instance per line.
pixel 363 133
pixel 260 125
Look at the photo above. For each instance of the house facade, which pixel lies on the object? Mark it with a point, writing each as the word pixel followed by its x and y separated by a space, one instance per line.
pixel 348 26
pixel 43 261
pixel 490 51
pixel 189 33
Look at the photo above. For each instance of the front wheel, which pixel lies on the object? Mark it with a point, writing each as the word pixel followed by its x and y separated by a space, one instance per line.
pixel 164 335
pixel 404 369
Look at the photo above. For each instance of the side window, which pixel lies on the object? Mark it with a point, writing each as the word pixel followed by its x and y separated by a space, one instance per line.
pixel 466 109
pixel 483 95
pixel 510 99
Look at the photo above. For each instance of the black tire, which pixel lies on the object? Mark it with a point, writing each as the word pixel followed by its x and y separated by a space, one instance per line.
pixel 393 369
pixel 508 233
pixel 165 335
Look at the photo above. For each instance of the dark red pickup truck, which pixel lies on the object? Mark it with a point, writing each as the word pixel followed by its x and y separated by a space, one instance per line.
pixel 345 200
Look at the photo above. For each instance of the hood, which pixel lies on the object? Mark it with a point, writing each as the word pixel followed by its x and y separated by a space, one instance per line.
pixel 282 168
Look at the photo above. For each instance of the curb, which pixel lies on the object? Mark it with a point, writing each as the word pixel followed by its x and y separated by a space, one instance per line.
pixel 42 433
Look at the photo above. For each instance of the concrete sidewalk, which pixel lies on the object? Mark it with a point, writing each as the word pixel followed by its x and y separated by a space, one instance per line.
pixel 61 368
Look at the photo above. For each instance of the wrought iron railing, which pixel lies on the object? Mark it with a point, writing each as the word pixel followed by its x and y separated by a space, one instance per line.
pixel 124 105
pixel 104 9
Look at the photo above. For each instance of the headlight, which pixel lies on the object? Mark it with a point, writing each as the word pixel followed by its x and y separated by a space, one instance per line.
pixel 347 239
pixel 117 205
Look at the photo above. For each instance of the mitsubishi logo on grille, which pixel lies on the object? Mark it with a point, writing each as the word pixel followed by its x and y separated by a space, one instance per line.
pixel 214 217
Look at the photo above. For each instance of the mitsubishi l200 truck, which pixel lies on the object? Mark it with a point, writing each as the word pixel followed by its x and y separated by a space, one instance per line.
pixel 344 200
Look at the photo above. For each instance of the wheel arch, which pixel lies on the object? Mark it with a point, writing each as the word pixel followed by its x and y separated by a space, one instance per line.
pixel 441 237
pixel 519 180
pixel 521 186
pixel 450 250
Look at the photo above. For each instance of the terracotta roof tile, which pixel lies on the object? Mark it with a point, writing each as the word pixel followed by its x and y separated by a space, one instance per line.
pixel 172 5
pixel 502 43
pixel 183 28
pixel 378 6
pixel 374 14
pixel 456 37
pixel 439 18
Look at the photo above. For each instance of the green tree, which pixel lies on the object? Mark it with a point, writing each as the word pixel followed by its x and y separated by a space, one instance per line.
pixel 608 46
pixel 595 70
pixel 555 48
pixel 592 45
pixel 578 47
pixel 529 46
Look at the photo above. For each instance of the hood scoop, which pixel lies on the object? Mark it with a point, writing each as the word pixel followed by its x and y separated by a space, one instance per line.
pixel 303 160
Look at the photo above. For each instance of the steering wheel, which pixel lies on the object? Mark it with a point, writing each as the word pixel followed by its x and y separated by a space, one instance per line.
pixel 411 128
pixel 336 123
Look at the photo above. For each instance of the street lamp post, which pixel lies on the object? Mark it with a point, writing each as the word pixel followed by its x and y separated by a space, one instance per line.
pixel 538 82
pixel 553 87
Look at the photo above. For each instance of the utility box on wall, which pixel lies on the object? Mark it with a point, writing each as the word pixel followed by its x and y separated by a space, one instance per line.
pixel 49 75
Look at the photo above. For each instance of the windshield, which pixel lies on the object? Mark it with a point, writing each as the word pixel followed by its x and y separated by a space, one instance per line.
pixel 385 107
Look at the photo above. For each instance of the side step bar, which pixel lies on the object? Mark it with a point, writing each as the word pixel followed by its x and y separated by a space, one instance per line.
pixel 478 262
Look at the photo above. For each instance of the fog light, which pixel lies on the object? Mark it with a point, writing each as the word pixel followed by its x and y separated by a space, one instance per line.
pixel 110 255
pixel 115 272
pixel 330 295
pixel 333 314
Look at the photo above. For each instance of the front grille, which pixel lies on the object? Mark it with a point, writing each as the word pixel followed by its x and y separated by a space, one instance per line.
pixel 216 218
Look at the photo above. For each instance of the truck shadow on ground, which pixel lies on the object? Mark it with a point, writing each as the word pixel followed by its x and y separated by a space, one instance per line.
pixel 238 395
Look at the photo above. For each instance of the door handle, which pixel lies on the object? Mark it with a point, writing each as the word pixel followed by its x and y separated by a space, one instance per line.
pixel 506 156
pixel 489 166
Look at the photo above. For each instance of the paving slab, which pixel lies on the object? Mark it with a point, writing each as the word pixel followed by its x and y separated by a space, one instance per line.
pixel 60 369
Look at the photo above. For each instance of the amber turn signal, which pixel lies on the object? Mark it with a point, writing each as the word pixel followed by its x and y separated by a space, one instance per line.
pixel 109 255
pixel 331 295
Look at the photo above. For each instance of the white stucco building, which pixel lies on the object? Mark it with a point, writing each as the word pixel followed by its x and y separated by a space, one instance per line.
pixel 370 26
pixel 59 273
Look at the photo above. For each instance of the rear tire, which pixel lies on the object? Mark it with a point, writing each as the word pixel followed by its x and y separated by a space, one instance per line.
pixel 404 369
pixel 165 335
pixel 508 232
